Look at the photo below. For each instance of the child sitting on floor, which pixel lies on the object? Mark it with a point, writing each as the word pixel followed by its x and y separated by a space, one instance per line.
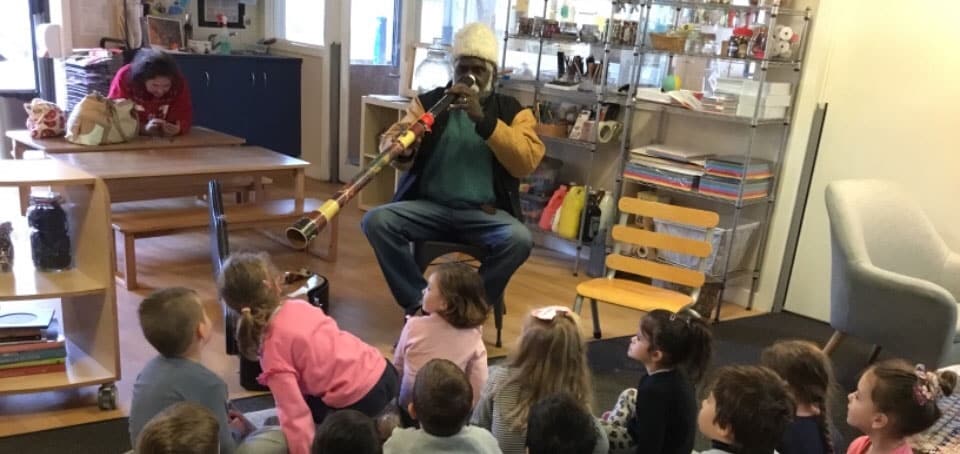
pixel 746 412
pixel 551 357
pixel 454 298
pixel 347 432
pixel 175 323
pixel 559 424
pixel 659 416
pixel 893 401
pixel 182 428
pixel 441 403
pixel 809 377
pixel 310 365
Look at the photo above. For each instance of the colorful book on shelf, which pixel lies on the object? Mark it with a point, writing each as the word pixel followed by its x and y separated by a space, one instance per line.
pixel 16 337
pixel 729 188
pixel 736 167
pixel 36 362
pixel 17 347
pixel 33 370
pixel 666 165
pixel 32 355
pixel 681 181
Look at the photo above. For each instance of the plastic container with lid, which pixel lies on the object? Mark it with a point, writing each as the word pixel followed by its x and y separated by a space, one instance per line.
pixel 434 71
pixel 49 232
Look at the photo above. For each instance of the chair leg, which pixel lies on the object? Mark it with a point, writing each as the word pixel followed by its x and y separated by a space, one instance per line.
pixel 874 354
pixel 498 320
pixel 578 304
pixel 596 318
pixel 834 341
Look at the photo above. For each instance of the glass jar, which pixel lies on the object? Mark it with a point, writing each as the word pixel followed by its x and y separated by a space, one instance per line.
pixel 49 237
pixel 435 70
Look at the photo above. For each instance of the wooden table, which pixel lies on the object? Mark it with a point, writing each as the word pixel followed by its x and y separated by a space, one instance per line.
pixel 197 137
pixel 178 172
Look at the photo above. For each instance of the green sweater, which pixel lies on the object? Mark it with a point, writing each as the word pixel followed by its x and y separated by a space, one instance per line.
pixel 460 171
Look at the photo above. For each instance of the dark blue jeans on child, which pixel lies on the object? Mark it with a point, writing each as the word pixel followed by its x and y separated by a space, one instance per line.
pixel 385 391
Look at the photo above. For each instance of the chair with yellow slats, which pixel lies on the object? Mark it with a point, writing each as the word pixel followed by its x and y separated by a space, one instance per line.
pixel 638 295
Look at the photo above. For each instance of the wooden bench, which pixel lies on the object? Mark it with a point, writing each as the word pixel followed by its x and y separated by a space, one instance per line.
pixel 128 226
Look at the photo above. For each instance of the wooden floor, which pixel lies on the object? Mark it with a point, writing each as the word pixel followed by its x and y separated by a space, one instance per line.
pixel 360 302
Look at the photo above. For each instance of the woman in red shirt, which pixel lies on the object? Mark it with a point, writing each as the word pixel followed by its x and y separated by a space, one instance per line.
pixel 154 83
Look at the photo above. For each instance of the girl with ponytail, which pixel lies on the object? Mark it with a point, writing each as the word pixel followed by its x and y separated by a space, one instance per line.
pixel 810 381
pixel 311 367
pixel 659 416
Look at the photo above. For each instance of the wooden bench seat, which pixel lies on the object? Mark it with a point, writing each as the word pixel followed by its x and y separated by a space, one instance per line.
pixel 128 226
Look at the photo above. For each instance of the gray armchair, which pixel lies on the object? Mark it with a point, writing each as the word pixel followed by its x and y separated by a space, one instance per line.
pixel 894 282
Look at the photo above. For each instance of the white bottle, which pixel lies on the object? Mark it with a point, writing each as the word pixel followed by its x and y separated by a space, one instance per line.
pixel 606 210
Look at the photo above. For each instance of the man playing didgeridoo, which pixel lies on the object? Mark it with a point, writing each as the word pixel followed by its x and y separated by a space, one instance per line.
pixel 462 183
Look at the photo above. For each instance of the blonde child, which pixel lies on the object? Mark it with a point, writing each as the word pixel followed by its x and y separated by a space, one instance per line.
pixel 746 411
pixel 551 357
pixel 182 428
pixel 310 365
pixel 659 416
pixel 893 401
pixel 809 377
pixel 454 298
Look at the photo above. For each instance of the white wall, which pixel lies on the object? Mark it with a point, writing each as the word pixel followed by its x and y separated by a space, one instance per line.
pixel 893 113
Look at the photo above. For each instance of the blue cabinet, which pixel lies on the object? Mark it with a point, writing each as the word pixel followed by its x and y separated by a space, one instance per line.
pixel 255 97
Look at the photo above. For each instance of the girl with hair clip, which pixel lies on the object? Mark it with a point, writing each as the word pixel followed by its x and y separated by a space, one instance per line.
pixel 455 301
pixel 311 366
pixel 659 416
pixel 893 401
pixel 809 377
pixel 551 357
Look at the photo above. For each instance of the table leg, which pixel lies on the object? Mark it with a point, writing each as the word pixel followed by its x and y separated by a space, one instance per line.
pixel 17 149
pixel 24 199
pixel 299 183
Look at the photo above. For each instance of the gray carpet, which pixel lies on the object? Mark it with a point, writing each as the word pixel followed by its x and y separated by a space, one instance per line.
pixel 736 342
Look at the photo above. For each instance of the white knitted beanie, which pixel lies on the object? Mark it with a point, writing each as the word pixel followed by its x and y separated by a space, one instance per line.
pixel 475 40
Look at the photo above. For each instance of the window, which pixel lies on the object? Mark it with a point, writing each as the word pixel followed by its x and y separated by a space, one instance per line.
pixel 17 66
pixel 372 25
pixel 299 21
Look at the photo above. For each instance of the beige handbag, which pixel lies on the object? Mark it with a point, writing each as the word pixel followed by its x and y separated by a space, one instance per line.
pixel 97 120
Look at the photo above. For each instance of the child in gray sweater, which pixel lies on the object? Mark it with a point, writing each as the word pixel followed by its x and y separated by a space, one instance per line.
pixel 442 399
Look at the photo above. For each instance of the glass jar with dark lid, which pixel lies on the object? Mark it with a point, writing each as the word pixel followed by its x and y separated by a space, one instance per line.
pixel 49 232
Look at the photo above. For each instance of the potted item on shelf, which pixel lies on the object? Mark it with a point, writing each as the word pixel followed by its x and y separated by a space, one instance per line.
pixel 49 238
pixel 6 247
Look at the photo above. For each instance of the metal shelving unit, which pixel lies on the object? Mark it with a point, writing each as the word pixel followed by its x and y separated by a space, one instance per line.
pixel 737 124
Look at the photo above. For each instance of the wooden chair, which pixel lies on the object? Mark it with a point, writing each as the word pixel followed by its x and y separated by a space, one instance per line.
pixel 639 295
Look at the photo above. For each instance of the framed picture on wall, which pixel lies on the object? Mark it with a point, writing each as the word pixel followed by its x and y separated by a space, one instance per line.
pixel 164 32
pixel 233 11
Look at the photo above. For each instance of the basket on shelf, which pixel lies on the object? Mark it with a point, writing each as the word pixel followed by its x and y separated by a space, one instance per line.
pixel 667 42
pixel 552 130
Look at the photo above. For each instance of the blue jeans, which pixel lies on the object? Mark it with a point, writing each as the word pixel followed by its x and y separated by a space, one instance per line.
pixel 392 227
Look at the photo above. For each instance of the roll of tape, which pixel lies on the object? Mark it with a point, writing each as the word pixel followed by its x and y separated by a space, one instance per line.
pixel 608 130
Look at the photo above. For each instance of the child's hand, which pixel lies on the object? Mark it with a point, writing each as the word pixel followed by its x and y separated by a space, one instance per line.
pixel 239 423
pixel 154 127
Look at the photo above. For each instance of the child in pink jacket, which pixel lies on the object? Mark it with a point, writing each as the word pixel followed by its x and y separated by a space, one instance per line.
pixel 310 365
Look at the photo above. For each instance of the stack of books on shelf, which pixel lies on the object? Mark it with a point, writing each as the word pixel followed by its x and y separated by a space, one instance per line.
pixel 666 166
pixel 30 343
pixel 739 97
pixel 724 176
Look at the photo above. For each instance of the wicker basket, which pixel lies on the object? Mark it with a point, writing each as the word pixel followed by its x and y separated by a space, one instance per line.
pixel 669 43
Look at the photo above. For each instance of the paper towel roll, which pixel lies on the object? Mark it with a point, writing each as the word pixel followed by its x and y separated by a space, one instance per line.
pixel 608 130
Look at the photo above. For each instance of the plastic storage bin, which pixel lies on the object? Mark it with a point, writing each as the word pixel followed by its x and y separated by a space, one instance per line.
pixel 721 238
pixel 543 180
pixel 531 206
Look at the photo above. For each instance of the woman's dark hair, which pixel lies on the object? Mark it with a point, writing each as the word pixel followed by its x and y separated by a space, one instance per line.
pixel 902 394
pixel 151 63
pixel 462 289
pixel 683 338
pixel 809 376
